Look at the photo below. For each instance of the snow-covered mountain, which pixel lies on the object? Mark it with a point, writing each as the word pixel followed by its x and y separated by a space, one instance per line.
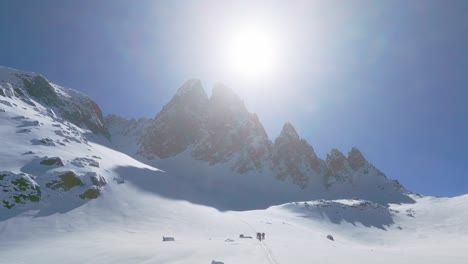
pixel 221 141
pixel 47 157
pixel 75 188
pixel 217 129
pixel 210 144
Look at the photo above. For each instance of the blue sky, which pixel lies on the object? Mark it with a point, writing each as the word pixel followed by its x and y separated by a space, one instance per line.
pixel 389 77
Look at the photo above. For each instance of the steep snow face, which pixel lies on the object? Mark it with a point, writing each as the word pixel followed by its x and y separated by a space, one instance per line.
pixel 125 134
pixel 294 157
pixel 179 124
pixel 61 102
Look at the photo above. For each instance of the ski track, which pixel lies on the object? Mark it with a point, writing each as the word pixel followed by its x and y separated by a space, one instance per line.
pixel 268 253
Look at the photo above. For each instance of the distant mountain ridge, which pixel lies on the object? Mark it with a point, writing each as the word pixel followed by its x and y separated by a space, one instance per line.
pixel 220 130
pixel 211 145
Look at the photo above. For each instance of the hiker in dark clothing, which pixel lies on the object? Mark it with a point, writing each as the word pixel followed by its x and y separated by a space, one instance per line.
pixel 259 236
pixel 263 236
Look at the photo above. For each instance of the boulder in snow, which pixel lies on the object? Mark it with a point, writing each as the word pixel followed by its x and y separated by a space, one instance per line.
pixel 44 141
pixel 54 161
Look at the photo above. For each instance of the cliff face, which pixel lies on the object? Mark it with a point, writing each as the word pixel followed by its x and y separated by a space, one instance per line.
pixel 217 129
pixel 62 102
pixel 293 157
pixel 179 124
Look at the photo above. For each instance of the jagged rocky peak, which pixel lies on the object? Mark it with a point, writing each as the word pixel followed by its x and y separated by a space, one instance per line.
pixel 335 161
pixel 190 97
pixel 294 157
pixel 230 130
pixel 355 159
pixel 225 98
pixel 179 124
pixel 289 131
pixel 192 87
pixel 258 128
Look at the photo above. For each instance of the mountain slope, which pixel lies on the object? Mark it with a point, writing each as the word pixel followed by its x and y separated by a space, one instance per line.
pixel 60 102
pixel 227 150
pixel 67 196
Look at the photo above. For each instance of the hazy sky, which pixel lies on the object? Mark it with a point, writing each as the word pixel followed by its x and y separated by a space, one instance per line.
pixel 390 77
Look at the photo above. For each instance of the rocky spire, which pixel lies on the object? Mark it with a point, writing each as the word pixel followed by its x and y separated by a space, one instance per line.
pixel 226 100
pixel 355 159
pixel 289 131
pixel 231 131
pixel 192 87
pixel 293 157
pixel 179 124
pixel 335 162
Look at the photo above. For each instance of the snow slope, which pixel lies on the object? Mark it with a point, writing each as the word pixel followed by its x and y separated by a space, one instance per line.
pixel 127 225
pixel 67 197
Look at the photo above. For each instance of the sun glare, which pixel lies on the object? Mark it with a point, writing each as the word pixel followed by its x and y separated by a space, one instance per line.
pixel 252 53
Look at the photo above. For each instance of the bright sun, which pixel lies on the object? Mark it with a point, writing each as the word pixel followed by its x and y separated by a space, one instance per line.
pixel 252 53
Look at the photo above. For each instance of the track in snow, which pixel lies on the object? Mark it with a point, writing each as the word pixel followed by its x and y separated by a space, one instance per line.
pixel 271 258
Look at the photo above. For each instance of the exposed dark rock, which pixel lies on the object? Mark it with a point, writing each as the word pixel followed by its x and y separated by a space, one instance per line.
pixel 39 88
pixel 179 124
pixel 6 103
pixel 84 162
pixel 231 130
pixel 294 157
pixel 98 180
pixel 335 161
pixel 67 181
pixel 18 189
pixel 43 141
pixel 91 193
pixel 54 161
pixel 75 107
pixel 355 159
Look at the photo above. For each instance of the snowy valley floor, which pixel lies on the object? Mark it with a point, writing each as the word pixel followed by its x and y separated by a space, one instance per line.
pixel 126 226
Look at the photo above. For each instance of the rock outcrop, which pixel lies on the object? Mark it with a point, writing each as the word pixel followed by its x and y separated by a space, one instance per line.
pixel 61 102
pixel 293 157
pixel 179 124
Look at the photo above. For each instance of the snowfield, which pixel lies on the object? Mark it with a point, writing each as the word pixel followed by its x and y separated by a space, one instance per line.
pixel 127 226
pixel 68 197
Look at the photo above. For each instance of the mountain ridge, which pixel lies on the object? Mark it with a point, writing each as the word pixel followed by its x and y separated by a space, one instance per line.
pixel 230 134
pixel 211 144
